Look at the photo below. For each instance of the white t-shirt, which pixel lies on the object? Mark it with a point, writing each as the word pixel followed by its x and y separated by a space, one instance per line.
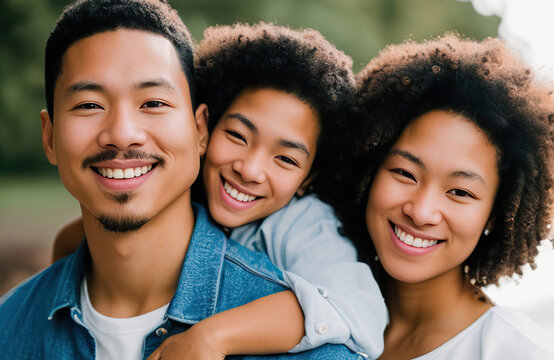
pixel 118 338
pixel 499 333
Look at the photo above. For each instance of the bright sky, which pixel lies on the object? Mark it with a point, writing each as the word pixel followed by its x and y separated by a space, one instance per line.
pixel 528 27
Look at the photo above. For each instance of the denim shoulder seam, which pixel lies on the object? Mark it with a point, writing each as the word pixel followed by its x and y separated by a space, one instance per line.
pixel 255 272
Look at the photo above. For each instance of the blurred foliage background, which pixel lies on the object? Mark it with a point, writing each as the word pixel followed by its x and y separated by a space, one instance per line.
pixel 358 27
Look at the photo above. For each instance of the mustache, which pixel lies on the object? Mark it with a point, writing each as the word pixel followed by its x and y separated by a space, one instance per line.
pixel 114 154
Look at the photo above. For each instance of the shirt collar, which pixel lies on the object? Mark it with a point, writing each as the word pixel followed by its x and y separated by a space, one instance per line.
pixel 72 272
pixel 197 291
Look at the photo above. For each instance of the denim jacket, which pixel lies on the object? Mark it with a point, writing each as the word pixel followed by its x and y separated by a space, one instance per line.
pixel 42 319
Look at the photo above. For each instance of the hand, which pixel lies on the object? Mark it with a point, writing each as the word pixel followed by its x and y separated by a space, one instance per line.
pixel 196 343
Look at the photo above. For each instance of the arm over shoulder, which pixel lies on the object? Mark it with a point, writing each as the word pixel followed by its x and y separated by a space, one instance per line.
pixel 339 296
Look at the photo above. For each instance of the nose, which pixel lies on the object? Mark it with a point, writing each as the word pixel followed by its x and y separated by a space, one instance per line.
pixel 251 167
pixel 423 207
pixel 121 129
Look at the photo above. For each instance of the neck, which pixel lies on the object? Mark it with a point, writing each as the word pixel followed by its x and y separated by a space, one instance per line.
pixel 136 272
pixel 425 315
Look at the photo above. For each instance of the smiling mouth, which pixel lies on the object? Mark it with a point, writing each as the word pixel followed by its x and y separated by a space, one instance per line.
pixel 409 239
pixel 128 173
pixel 237 195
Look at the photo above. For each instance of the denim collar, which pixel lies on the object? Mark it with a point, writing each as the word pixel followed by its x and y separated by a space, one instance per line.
pixel 197 292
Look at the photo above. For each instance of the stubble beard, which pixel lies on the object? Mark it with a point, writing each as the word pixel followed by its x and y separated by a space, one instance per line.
pixel 121 225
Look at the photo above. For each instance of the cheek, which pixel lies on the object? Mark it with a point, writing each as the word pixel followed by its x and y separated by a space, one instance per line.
pixel 218 151
pixel 469 224
pixel 285 183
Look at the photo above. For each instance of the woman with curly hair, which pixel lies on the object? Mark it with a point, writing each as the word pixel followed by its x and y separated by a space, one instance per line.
pixel 452 178
pixel 274 100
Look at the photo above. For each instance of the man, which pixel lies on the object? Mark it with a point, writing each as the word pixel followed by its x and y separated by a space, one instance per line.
pixel 120 127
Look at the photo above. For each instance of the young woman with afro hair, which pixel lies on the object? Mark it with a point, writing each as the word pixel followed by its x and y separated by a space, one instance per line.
pixel 448 188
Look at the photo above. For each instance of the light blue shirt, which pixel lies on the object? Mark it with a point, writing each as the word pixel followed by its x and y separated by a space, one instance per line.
pixel 42 318
pixel 340 298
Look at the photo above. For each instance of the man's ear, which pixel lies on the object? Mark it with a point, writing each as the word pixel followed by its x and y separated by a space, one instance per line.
pixel 201 115
pixel 47 136
pixel 302 189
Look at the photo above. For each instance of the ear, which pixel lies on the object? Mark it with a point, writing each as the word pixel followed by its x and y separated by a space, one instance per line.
pixel 201 115
pixel 304 186
pixel 47 136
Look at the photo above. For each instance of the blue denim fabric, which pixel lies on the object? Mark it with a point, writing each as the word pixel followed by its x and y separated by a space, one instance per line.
pixel 42 319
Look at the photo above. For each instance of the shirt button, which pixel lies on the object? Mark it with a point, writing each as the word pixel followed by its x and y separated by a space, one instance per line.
pixel 323 293
pixel 161 332
pixel 321 328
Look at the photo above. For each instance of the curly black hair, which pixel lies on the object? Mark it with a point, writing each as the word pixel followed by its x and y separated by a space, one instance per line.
pixel 231 59
pixel 486 83
pixel 88 17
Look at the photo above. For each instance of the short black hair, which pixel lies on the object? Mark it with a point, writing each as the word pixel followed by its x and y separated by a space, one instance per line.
pixel 231 59
pixel 88 17
pixel 487 84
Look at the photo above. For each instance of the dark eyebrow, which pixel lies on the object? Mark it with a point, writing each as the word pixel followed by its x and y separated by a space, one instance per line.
pixel 470 175
pixel 84 86
pixel 154 83
pixel 286 143
pixel 295 145
pixel 408 156
pixel 243 119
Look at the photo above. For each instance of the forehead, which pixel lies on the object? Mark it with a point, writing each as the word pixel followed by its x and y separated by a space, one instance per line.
pixel 450 140
pixel 277 111
pixel 119 57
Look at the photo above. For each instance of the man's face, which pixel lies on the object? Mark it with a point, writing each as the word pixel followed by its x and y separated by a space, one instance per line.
pixel 124 135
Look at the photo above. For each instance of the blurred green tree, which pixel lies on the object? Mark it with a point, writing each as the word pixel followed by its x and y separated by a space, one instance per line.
pixel 359 27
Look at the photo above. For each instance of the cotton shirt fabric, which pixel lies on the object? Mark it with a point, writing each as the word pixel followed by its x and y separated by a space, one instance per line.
pixel 42 318
pixel 118 338
pixel 339 296
pixel 500 333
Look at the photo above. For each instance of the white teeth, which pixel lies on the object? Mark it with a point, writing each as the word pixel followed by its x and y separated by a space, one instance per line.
pixel 118 173
pixel 235 194
pixel 410 240
pixel 128 173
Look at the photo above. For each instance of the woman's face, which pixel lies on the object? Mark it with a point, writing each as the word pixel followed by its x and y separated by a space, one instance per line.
pixel 432 197
pixel 259 154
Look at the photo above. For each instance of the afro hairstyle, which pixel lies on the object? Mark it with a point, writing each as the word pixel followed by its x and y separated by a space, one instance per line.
pixel 487 84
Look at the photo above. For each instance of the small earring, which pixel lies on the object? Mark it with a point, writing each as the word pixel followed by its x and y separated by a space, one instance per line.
pixel 472 281
pixel 376 258
pixel 486 232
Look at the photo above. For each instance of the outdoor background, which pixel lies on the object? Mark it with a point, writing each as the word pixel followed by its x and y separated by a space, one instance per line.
pixel 34 203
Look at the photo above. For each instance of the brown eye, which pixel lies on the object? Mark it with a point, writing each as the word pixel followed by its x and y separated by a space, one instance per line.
pixel 153 104
pixel 404 173
pixel 287 159
pixel 236 135
pixel 461 193
pixel 88 106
